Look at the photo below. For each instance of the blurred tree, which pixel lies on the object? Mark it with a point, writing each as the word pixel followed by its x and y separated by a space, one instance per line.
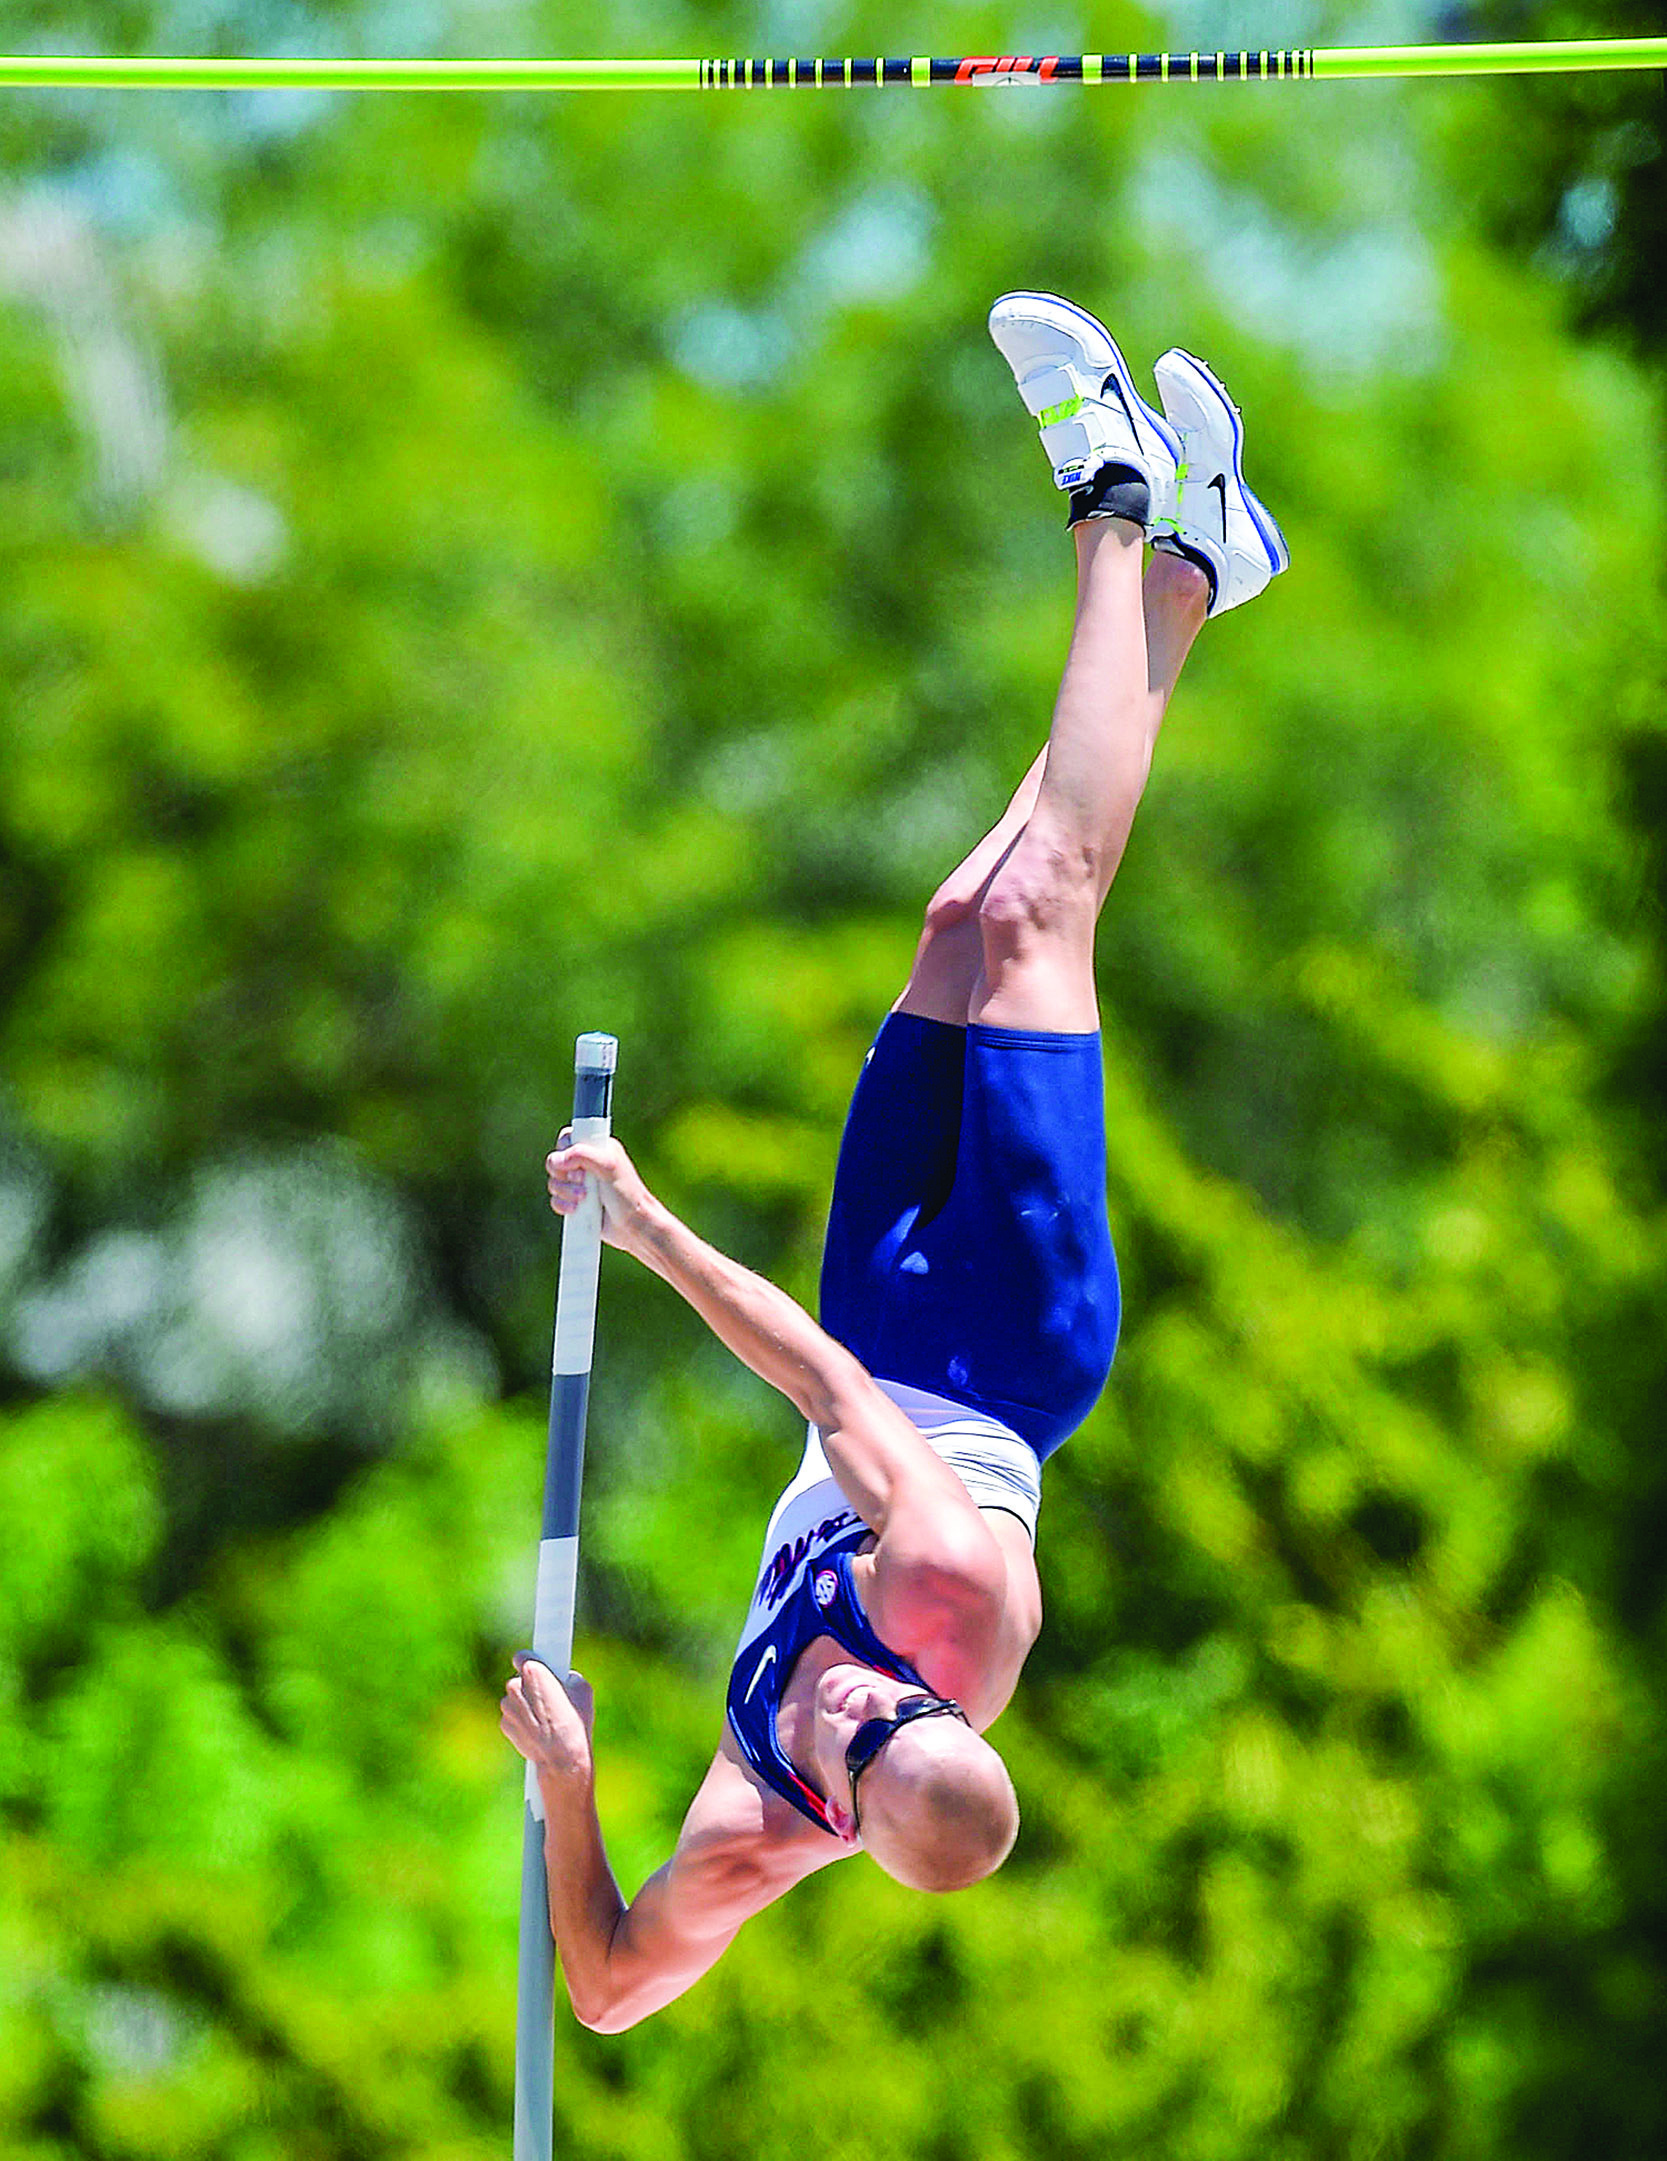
pixel 1580 172
pixel 473 569
pixel 1578 185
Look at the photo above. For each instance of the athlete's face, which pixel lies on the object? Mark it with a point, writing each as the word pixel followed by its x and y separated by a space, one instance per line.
pixel 847 1696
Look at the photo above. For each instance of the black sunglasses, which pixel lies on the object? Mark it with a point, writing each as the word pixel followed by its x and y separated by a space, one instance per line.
pixel 873 1734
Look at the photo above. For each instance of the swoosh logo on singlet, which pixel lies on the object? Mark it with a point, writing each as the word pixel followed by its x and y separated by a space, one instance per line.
pixel 762 1668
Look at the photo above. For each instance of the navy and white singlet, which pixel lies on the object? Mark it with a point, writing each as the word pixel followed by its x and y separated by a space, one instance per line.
pixel 805 1589
pixel 823 1602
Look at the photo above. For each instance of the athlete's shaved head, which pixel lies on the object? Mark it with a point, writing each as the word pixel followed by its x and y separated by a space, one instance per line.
pixel 938 1808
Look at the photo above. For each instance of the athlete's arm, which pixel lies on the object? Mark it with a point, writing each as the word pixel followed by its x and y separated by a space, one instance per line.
pixel 620 1961
pixel 901 1488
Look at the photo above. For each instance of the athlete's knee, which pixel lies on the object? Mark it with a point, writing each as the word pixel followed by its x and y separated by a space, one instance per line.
pixel 1048 889
pixel 951 908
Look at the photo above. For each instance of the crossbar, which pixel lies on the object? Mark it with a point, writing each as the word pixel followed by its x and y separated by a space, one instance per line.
pixel 1006 70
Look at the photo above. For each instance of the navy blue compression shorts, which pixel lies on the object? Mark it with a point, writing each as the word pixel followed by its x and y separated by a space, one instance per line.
pixel 968 1249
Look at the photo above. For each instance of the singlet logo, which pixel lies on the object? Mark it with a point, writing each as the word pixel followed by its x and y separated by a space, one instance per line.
pixel 759 1671
pixel 783 1565
pixel 827 1587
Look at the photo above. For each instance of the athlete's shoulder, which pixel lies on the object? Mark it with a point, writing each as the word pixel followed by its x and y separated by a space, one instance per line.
pixel 943 1608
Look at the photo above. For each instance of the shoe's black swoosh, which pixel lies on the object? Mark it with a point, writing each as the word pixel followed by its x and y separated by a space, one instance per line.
pixel 1112 382
pixel 1220 481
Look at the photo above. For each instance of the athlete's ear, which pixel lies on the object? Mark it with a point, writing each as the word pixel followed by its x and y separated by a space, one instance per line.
pixel 844 1823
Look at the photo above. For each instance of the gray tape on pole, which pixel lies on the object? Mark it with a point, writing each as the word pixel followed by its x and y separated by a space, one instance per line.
pixel 581 1263
pixel 596 1052
pixel 558 1579
pixel 558 1573
pixel 535 1998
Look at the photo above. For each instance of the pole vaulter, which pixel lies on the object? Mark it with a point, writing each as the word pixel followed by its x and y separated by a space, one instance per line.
pixel 969 1302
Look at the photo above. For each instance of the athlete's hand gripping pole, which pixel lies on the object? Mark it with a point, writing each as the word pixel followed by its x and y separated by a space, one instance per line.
pixel 558 1566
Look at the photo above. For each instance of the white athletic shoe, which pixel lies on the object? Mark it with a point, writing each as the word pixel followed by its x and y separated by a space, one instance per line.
pixel 1077 384
pixel 1215 516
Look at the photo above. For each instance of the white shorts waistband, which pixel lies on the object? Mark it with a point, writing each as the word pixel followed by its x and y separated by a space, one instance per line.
pixel 997 1467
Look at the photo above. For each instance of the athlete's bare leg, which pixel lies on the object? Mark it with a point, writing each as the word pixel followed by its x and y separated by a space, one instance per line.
pixel 950 956
pixel 1130 641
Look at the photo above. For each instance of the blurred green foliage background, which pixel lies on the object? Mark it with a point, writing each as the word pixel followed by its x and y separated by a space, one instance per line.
pixel 473 569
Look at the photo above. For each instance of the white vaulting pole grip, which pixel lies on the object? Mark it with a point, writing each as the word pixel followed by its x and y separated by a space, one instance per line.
pixel 594 1060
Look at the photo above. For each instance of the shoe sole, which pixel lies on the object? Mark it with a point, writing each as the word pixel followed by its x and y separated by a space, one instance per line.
pixel 1267 526
pixel 1067 314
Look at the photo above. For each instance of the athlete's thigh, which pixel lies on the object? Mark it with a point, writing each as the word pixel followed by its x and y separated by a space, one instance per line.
pixel 896 1166
pixel 1019 1301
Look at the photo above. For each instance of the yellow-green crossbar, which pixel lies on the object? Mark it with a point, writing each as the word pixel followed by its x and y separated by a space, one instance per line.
pixel 1299 64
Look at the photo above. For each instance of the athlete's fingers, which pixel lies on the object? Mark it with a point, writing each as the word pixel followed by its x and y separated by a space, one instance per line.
pixel 578 1157
pixel 566 1181
pixel 544 1717
pixel 582 1698
pixel 617 1185
pixel 541 1684
pixel 568 1173
pixel 533 1676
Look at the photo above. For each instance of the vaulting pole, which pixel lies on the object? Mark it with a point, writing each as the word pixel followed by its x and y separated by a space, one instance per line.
pixel 1297 64
pixel 558 1566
